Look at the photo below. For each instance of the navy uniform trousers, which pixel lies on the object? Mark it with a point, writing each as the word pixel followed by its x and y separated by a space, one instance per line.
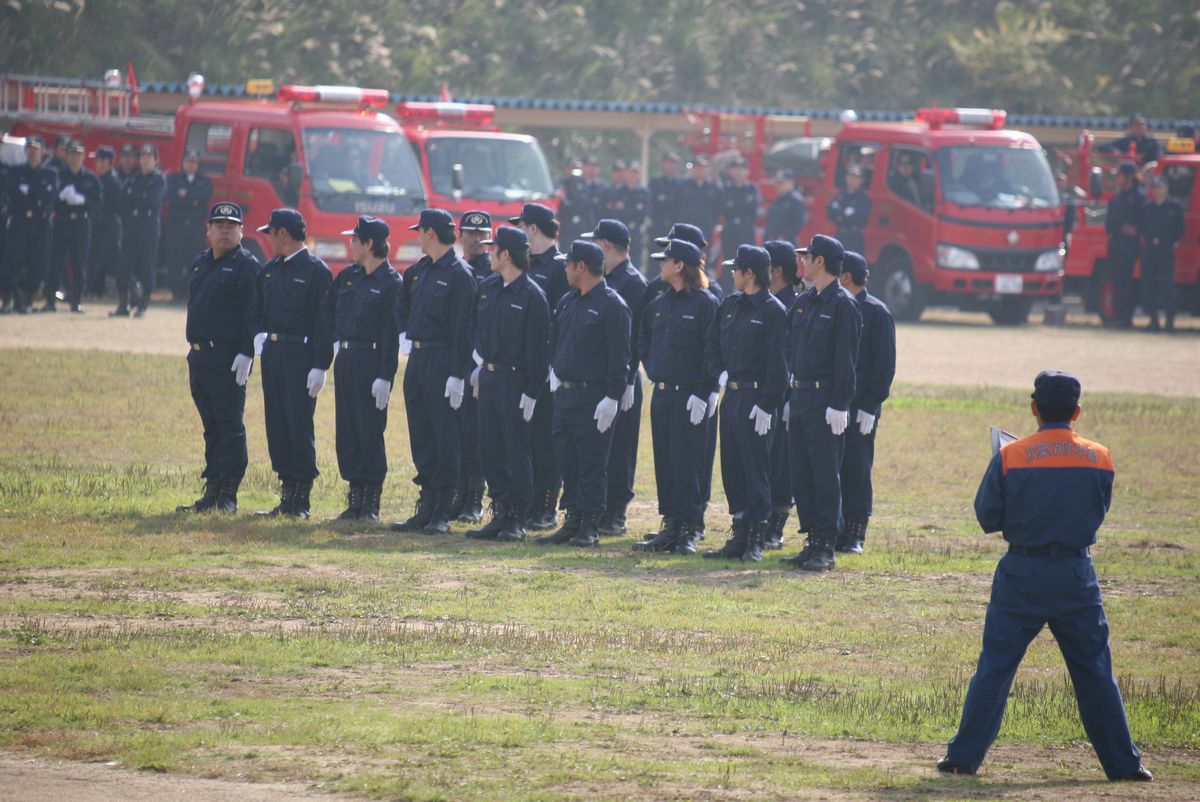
pixel 816 457
pixel 104 259
pixel 1158 280
pixel 679 452
pixel 1027 594
pixel 291 441
pixel 781 470
pixel 745 457
pixel 857 462
pixel 362 457
pixel 221 402
pixel 432 424
pixel 139 258
pixel 622 460
pixel 69 242
pixel 471 464
pixel 504 438
pixel 547 475
pixel 581 450
pixel 26 249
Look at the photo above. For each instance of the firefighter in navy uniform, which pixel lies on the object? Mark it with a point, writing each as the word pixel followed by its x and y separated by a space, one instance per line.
pixel 875 368
pixel 221 325
pixel 1126 213
pixel 540 226
pixel 627 281
pixel 631 205
pixel 1137 137
pixel 1047 494
pixel 510 330
pixel 296 355
pixel 358 310
pixel 589 347
pixel 739 209
pixel 595 194
pixel 573 202
pixel 187 195
pixel 106 224
pixel 141 222
pixel 850 211
pixel 664 194
pixel 700 198
pixel 823 331
pixel 671 345
pixel 746 343
pixel 433 314
pixel 783 287
pixel 474 230
pixel 80 195
pixel 788 213
pixel 1162 229
pixel 31 197
pixel 128 163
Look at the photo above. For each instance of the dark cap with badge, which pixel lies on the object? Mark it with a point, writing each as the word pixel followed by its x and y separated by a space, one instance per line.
pixel 128 149
pixel 105 152
pixel 681 251
pixel 191 155
pixel 224 210
pixel 536 214
pixel 1056 388
pixel 589 253
pixel 684 231
pixel 828 247
pixel 437 219
pixel 149 149
pixel 289 220
pixel 750 257
pixel 783 253
pixel 785 174
pixel 75 146
pixel 854 264
pixel 475 221
pixel 509 239
pixel 371 229
pixel 610 230
pixel 35 141
pixel 62 140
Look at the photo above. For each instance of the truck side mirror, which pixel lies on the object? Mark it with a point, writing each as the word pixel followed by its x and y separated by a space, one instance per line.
pixel 456 179
pixel 1097 183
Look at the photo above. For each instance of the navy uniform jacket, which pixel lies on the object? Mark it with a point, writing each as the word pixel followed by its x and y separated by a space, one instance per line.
pixel 510 327
pixel 188 201
pixel 142 196
pixel 290 295
pixel 599 193
pixel 481 266
pixel 222 300
pixel 1051 488
pixel 739 206
pixel 746 339
pixel 850 210
pixel 86 184
pixel 664 200
pixel 550 274
pixel 574 208
pixel 32 192
pixel 360 306
pixel 1147 147
pixel 1162 224
pixel 786 217
pixel 824 329
pixel 699 204
pixel 630 284
pixel 590 339
pixel 110 209
pixel 630 205
pixel 876 364
pixel 1127 206
pixel 4 168
pixel 435 305
pixel 671 338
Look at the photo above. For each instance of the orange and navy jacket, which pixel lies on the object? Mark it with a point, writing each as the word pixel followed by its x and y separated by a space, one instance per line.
pixel 1051 488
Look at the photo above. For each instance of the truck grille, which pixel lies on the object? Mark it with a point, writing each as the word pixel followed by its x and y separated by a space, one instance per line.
pixel 1007 261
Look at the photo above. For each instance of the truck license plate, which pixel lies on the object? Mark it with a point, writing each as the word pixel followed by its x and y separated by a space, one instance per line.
pixel 1007 284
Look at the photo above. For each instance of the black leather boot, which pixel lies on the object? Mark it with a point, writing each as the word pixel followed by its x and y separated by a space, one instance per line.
pixel 301 493
pixel 513 529
pixel 287 493
pixel 471 509
pixel 420 517
pixel 460 498
pixel 756 535
pixel 805 552
pixel 206 502
pixel 775 526
pixel 822 558
pixel 439 520
pixel 227 495
pixel 735 545
pixel 372 498
pixel 492 528
pixel 354 503
pixel 851 540
pixel 568 530
pixel 661 540
pixel 543 513
pixel 588 533
pixel 613 521
pixel 686 537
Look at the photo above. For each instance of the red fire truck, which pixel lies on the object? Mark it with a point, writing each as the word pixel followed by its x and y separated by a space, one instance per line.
pixel 1093 177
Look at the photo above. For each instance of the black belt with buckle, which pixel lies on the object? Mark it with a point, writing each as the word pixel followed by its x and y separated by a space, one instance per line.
pixel 78 215
pixel 797 385
pixel 494 367
pixel 287 338
pixel 743 385
pixel 1051 552
pixel 575 385
pixel 419 345
pixel 200 346
pixel 29 215
pixel 676 387
pixel 359 344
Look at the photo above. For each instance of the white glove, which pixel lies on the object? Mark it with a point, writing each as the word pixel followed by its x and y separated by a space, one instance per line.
pixel 337 346
pixel 75 199
pixel 527 404
pixel 554 382
pixel 241 368
pixel 786 415
pixel 316 381
pixel 627 398
pixel 866 422
pixel 475 356
pixel 382 392
pixel 762 421
pixel 259 339
pixel 405 345
pixel 723 379
pixel 66 192
pixel 836 419
pixel 606 413
pixel 454 391
pixel 713 402
pixel 475 380
pixel 697 409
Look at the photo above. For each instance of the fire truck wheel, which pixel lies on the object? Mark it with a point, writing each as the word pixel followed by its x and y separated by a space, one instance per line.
pixel 1013 311
pixel 899 289
pixel 1103 294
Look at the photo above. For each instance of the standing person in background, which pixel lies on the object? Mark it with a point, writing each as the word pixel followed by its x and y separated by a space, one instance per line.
pixel 106 224
pixel 1162 229
pixel 187 196
pixel 1126 213
pixel 31 196
pixel 739 209
pixel 700 198
pixel 788 213
pixel 574 203
pixel 631 204
pixel 80 195
pixel 141 225
pixel 783 287
pixel 595 193
pixel 1136 143
pixel 664 195
pixel 850 211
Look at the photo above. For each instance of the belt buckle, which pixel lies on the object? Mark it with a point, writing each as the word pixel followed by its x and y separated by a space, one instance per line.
pixel 417 344
pixel 491 368
pixel 195 346
pixel 662 385
pixel 273 337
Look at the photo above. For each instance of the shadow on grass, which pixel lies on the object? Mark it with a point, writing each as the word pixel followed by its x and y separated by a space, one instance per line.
pixel 948 787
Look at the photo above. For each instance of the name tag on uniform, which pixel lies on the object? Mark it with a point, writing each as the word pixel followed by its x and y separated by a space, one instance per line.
pixel 518 308
pixel 593 312
pixel 689 317
pixel 756 322
pixel 439 281
pixel 299 281
pixel 227 269
pixel 539 275
pixel 377 292
pixel 827 317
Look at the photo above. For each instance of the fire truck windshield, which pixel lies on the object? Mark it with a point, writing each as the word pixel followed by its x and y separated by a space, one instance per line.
pixel 501 169
pixel 362 171
pixel 996 177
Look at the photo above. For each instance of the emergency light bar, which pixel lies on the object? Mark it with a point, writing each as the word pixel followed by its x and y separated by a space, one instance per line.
pixel 463 112
pixel 373 98
pixel 991 119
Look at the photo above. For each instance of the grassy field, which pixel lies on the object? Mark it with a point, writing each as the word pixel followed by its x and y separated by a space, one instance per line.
pixel 418 668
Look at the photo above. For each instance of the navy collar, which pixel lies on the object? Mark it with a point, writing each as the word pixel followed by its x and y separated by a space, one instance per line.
pixel 1046 426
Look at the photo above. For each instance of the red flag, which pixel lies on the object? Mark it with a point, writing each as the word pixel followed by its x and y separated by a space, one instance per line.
pixel 444 96
pixel 135 105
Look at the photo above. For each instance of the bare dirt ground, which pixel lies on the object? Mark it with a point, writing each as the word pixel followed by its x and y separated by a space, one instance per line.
pixel 950 348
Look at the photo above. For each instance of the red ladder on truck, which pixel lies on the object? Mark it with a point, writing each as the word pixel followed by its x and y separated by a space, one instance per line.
pixel 74 101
